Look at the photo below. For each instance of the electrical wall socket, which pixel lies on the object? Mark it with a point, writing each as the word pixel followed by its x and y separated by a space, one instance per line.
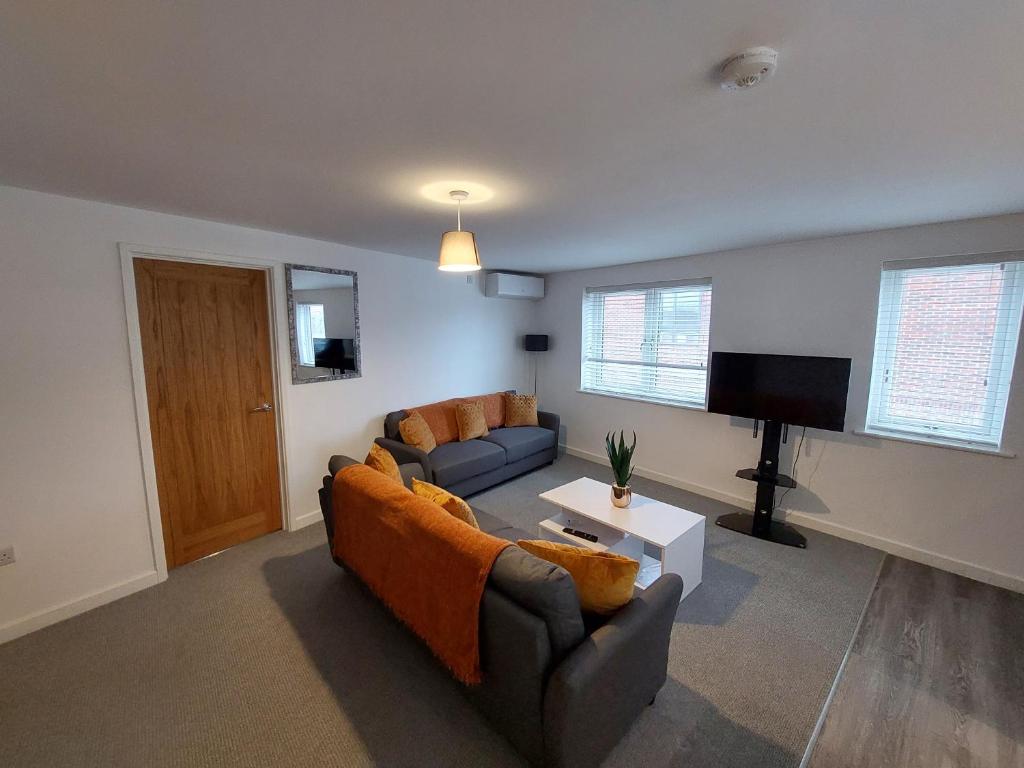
pixel 6 555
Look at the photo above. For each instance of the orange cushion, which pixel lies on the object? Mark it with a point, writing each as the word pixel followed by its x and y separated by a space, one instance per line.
pixel 381 459
pixel 449 502
pixel 494 409
pixel 470 417
pixel 416 432
pixel 604 580
pixel 443 422
pixel 440 418
pixel 520 410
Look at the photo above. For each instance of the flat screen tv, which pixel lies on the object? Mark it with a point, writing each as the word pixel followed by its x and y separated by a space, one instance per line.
pixel 336 354
pixel 791 389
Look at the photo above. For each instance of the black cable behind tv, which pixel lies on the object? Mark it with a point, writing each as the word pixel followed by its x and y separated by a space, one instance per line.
pixel 779 390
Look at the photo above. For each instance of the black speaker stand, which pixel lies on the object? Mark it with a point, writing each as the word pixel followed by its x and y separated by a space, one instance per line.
pixel 766 475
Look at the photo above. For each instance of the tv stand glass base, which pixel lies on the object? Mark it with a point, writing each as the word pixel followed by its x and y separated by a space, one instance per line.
pixel 780 533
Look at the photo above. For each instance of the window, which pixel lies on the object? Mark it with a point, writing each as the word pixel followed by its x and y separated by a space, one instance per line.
pixel 648 342
pixel 316 321
pixel 944 351
pixel 309 325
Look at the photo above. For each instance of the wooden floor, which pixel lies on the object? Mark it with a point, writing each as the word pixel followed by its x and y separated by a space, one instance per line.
pixel 935 677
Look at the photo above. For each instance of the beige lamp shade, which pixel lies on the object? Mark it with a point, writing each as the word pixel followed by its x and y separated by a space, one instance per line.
pixel 458 252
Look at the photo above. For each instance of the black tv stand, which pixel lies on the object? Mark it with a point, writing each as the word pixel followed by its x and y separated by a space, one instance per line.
pixel 766 475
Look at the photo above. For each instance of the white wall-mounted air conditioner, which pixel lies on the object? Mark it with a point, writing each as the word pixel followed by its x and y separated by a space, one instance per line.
pixel 501 285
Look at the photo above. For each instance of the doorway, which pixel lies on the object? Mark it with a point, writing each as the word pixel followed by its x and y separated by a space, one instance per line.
pixel 206 351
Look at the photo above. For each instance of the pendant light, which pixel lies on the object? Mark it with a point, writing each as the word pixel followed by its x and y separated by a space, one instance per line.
pixel 458 248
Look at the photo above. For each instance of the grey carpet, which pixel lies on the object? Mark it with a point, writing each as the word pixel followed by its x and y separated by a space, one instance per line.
pixel 268 654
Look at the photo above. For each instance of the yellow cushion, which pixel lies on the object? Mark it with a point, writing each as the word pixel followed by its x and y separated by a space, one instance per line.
pixel 471 420
pixel 415 432
pixel 604 580
pixel 381 459
pixel 449 502
pixel 520 410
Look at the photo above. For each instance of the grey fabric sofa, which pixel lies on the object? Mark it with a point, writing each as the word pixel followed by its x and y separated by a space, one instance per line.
pixel 561 687
pixel 470 466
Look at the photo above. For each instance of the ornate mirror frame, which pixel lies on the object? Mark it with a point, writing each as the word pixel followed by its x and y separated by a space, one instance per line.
pixel 293 340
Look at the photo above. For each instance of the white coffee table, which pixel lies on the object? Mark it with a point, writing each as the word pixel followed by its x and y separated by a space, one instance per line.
pixel 663 538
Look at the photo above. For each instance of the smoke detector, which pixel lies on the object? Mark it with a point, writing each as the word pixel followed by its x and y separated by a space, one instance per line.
pixel 748 68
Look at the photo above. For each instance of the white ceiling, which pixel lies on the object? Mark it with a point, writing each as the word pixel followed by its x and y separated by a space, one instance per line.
pixel 595 122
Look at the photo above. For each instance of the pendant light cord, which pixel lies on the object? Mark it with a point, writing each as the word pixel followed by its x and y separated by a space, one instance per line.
pixel 458 213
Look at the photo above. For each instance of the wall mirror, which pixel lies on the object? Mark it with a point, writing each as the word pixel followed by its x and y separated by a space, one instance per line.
pixel 323 323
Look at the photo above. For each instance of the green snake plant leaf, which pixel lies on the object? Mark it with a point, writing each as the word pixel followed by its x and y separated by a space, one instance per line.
pixel 620 456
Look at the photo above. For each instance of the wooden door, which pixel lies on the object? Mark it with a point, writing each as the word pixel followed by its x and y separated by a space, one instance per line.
pixel 206 352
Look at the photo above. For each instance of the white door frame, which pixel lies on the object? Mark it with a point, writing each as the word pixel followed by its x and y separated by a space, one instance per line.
pixel 275 278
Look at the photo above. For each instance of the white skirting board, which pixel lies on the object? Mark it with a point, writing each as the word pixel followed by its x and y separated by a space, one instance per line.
pixel 934 559
pixel 87 602
pixel 918 555
pixel 316 516
pixel 49 616
pixel 650 474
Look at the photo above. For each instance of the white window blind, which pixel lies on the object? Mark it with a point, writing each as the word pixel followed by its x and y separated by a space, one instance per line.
pixel 944 351
pixel 309 325
pixel 317 321
pixel 648 342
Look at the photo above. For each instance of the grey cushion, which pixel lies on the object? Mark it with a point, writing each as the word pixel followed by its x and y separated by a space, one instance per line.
pixel 456 461
pixel 496 527
pixel 545 590
pixel 338 462
pixel 391 422
pixel 520 442
pixel 409 471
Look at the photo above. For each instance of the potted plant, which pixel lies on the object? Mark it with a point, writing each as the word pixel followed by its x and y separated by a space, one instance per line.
pixel 621 457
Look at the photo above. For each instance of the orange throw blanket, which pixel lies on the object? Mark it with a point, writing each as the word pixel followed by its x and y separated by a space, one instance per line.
pixel 427 567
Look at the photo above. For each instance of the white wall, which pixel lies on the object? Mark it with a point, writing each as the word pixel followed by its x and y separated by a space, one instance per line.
pixel 71 486
pixel 957 509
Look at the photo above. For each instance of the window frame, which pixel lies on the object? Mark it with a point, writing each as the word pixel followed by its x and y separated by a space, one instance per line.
pixel 649 346
pixel 1005 344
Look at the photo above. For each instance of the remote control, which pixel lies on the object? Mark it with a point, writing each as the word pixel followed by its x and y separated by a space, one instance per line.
pixel 581 534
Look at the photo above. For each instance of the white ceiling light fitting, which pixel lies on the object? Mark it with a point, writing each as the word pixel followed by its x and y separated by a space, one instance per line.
pixel 458 248
pixel 749 68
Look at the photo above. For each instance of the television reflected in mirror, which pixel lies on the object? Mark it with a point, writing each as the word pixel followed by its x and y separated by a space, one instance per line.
pixel 323 323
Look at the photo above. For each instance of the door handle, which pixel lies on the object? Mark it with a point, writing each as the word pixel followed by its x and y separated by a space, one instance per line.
pixel 265 408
